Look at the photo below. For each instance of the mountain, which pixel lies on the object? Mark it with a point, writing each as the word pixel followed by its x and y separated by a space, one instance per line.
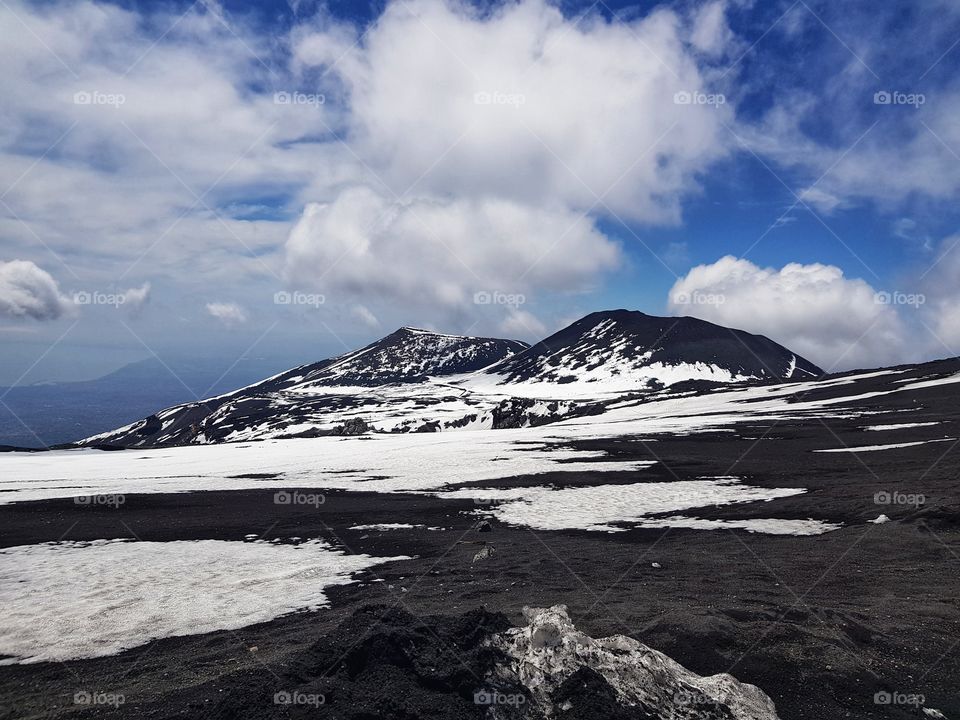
pixel 420 381
pixel 407 355
pixel 388 379
pixel 624 351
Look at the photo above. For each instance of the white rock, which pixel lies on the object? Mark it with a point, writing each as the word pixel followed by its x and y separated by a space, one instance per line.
pixel 550 649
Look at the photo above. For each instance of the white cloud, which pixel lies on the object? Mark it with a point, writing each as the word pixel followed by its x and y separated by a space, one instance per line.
pixel 567 110
pixel 434 255
pixel 174 135
pixel 482 165
pixel 888 154
pixel 834 321
pixel 425 196
pixel 27 291
pixel 820 199
pixel 163 132
pixel 227 312
pixel 136 297
pixel 711 34
pixel 363 314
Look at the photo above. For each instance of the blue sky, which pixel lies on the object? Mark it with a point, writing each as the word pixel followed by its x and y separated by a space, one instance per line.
pixel 288 180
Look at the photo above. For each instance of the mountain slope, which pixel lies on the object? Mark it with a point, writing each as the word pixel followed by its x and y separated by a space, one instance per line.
pixel 410 355
pixel 386 378
pixel 417 381
pixel 623 351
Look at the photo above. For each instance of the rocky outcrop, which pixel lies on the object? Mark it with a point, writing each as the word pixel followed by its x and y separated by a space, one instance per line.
pixel 549 655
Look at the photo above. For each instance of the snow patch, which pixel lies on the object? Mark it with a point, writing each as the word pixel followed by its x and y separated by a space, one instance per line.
pixel 873 448
pixel 769 526
pixel 70 600
pixel 604 507
pixel 391 526
pixel 898 426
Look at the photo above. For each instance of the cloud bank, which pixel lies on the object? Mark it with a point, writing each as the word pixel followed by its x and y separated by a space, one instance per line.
pixel 404 167
pixel 28 292
pixel 832 320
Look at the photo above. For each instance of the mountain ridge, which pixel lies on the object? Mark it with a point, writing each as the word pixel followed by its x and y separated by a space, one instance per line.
pixel 418 380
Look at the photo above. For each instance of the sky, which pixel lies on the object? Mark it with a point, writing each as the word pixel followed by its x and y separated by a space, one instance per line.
pixel 290 180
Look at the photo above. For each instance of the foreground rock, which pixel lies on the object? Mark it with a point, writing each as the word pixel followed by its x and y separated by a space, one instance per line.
pixel 551 659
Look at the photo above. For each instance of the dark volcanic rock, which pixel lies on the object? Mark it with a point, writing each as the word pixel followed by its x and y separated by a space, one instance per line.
pixel 354 426
pixel 382 662
pixel 528 412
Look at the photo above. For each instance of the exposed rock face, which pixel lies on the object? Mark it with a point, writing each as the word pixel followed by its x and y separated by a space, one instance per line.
pixel 353 426
pixel 549 653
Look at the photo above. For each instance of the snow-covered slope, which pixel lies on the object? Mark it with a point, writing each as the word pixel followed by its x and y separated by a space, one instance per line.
pixel 621 351
pixel 387 380
pixel 408 355
pixel 417 381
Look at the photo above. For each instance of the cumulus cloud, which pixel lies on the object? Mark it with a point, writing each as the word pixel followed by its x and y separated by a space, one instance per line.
pixel 578 110
pixel 834 321
pixel 436 255
pixel 27 291
pixel 489 171
pixel 227 312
